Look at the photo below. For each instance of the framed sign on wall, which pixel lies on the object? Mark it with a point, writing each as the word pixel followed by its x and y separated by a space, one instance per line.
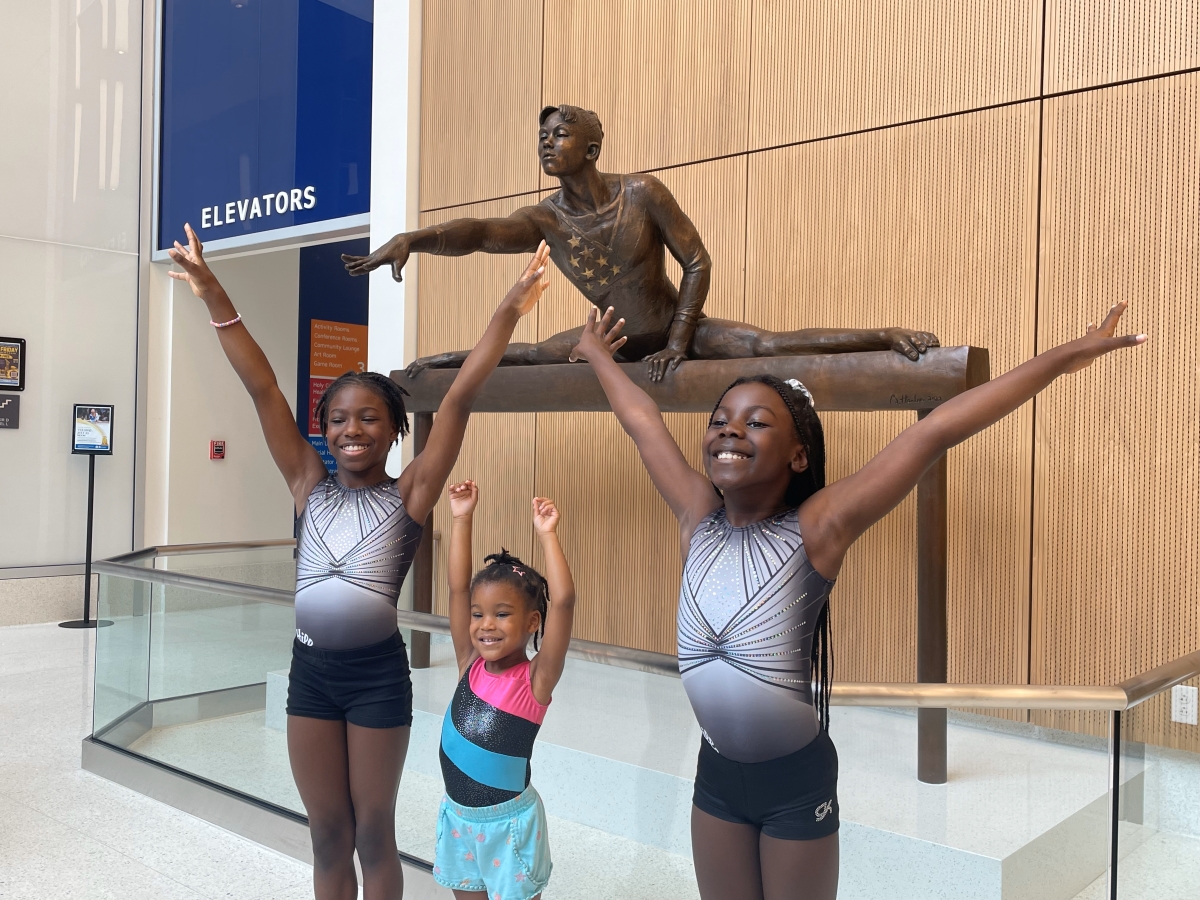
pixel 12 364
pixel 91 429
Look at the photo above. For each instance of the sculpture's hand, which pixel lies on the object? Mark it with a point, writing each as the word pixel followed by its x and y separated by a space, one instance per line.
pixel 599 339
pixel 911 343
pixel 394 252
pixel 416 367
pixel 664 361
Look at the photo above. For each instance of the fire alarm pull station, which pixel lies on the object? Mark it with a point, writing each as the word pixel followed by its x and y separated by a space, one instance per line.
pixel 216 449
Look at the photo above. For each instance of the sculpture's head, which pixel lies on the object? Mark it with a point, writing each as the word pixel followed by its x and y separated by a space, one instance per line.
pixel 569 139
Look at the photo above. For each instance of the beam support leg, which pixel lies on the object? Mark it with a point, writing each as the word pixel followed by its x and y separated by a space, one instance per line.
pixel 932 537
pixel 422 567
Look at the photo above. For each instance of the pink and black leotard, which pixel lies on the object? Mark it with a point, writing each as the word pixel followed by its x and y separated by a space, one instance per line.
pixel 488 735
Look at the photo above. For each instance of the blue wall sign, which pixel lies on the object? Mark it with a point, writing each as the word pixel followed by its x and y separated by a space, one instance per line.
pixel 266 115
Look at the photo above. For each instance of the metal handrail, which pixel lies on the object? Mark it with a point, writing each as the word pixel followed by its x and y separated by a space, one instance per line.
pixel 1125 695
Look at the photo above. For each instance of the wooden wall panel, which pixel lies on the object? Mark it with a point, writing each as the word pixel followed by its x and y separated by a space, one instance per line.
pixel 1116 564
pixel 480 92
pixel 457 297
pixel 1096 42
pixel 826 67
pixel 668 78
pixel 929 226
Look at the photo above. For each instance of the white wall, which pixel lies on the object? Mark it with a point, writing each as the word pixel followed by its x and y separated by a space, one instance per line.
pixel 395 131
pixel 195 397
pixel 68 267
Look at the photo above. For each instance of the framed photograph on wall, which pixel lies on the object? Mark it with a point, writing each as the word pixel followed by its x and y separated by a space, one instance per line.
pixel 91 429
pixel 12 364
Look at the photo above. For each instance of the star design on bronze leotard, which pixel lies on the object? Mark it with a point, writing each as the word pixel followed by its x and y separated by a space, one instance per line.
pixel 603 260
pixel 616 270
pixel 604 281
pixel 588 273
pixel 574 242
pixel 587 253
pixel 588 286
pixel 574 261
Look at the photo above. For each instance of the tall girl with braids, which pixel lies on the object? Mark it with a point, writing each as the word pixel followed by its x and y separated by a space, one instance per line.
pixel 763 537
pixel 492 842
pixel 349 695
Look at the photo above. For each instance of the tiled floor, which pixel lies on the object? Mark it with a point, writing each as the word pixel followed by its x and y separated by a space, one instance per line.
pixel 65 833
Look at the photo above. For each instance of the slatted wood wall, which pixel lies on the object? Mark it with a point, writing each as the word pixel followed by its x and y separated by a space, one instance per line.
pixel 975 169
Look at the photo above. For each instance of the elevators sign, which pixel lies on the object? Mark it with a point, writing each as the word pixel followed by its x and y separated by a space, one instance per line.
pixel 92 429
pixel 12 364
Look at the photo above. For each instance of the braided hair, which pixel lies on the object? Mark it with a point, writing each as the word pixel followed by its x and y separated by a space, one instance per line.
pixel 504 568
pixel 803 485
pixel 390 392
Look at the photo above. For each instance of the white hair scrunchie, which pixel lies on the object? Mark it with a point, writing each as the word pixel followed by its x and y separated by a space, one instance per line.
pixel 796 385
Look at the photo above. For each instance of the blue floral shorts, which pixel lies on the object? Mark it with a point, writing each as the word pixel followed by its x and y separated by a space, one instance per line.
pixel 502 849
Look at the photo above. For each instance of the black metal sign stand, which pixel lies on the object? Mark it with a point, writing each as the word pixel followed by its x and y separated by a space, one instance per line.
pixel 87 621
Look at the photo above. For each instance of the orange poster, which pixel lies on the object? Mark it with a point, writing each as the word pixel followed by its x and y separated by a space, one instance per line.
pixel 336 348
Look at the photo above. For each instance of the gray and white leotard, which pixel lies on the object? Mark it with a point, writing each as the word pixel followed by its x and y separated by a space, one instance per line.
pixel 748 609
pixel 355 547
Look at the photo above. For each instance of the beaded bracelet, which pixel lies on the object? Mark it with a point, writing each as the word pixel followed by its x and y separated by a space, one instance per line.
pixel 232 321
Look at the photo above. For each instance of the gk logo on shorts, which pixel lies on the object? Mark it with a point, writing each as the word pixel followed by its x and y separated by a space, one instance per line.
pixel 824 809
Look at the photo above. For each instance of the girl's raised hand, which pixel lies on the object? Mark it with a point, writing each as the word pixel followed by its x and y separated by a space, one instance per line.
pixel 1102 340
pixel 524 295
pixel 195 270
pixel 599 338
pixel 545 515
pixel 463 497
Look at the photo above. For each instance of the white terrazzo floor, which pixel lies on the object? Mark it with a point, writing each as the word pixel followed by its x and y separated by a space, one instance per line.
pixel 65 833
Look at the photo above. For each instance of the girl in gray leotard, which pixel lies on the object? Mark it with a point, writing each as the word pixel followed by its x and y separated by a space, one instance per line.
pixel 760 555
pixel 349 697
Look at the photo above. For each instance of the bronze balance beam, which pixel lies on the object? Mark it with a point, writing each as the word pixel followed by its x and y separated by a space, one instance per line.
pixel 849 382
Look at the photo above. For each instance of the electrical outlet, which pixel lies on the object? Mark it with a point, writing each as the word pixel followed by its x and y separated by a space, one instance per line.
pixel 1183 704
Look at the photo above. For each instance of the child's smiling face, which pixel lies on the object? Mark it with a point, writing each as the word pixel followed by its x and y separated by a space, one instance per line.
pixel 501 621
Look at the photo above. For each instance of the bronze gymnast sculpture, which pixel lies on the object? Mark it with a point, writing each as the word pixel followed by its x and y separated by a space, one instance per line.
pixel 607 234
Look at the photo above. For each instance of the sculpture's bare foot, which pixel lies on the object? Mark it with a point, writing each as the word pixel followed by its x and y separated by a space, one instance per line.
pixel 911 343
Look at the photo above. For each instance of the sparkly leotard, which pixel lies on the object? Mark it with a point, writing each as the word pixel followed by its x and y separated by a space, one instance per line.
pixel 748 608
pixel 488 735
pixel 355 547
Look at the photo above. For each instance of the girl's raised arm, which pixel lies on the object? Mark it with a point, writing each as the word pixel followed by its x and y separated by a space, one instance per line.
pixel 295 457
pixel 421 481
pixel 463 497
pixel 689 494
pixel 833 518
pixel 547 666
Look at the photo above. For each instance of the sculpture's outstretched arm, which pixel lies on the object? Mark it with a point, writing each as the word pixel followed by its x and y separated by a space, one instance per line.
pixel 683 240
pixel 519 233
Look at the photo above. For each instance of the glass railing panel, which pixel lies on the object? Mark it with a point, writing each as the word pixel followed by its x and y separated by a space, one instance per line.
pixel 272 567
pixel 1158 826
pixel 214 675
pixel 122 651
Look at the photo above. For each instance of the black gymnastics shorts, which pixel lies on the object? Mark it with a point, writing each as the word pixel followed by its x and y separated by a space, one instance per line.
pixel 793 798
pixel 367 686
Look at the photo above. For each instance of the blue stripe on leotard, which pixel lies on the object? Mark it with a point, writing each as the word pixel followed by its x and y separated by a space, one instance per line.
pixel 485 766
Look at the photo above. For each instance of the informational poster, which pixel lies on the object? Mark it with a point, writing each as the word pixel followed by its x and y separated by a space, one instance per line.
pixel 92 429
pixel 334 349
pixel 12 364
